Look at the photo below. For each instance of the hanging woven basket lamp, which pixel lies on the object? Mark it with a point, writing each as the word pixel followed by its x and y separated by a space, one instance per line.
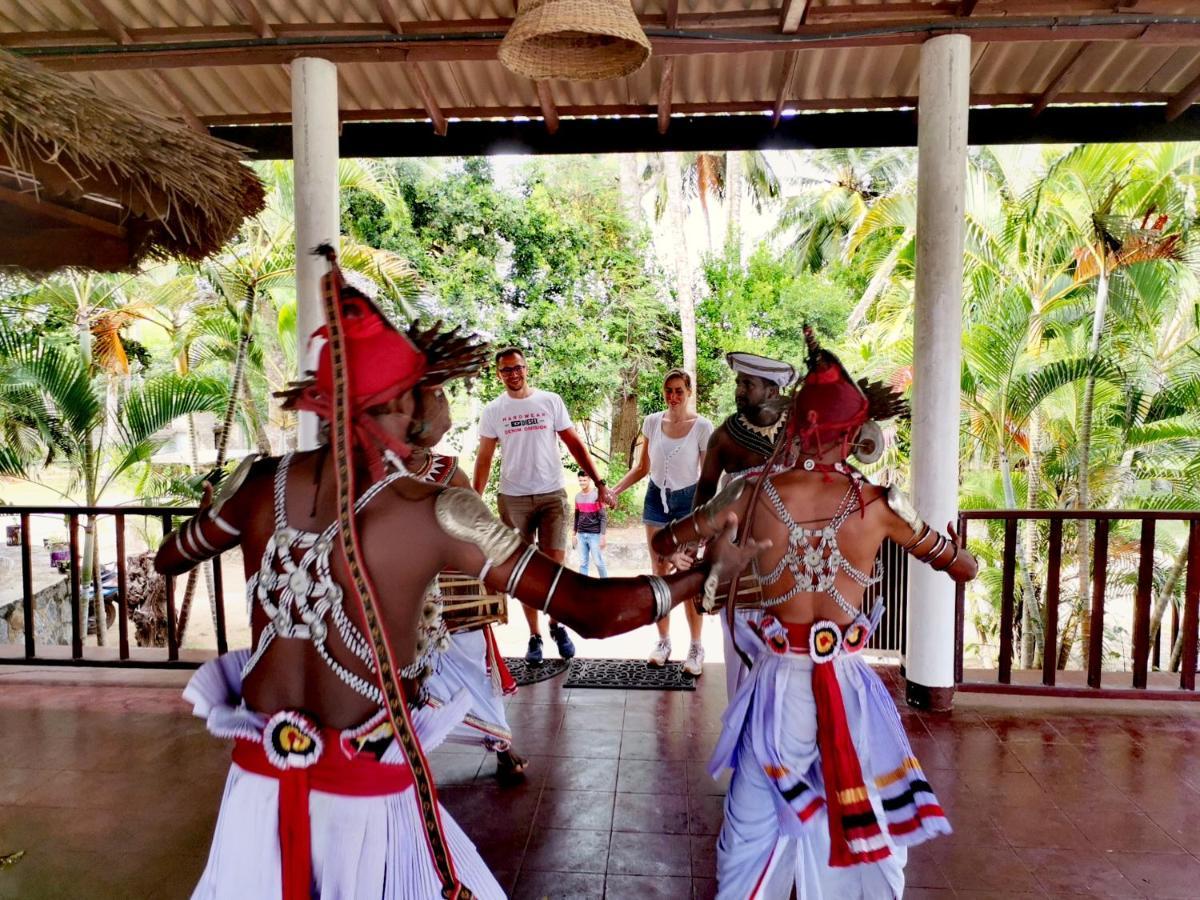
pixel 578 40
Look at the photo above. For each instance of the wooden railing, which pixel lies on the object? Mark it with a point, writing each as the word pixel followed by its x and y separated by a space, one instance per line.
pixel 144 657
pixel 1096 681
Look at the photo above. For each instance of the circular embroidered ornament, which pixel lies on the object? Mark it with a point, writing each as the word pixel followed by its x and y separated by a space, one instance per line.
pixel 292 740
pixel 824 641
pixel 856 637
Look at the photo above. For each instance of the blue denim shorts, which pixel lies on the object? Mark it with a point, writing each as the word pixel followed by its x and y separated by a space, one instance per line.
pixel 679 504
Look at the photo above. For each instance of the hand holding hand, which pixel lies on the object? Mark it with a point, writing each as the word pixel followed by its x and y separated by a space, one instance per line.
pixel 607 497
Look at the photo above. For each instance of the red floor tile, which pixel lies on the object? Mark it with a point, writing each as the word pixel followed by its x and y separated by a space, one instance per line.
pixel 1161 875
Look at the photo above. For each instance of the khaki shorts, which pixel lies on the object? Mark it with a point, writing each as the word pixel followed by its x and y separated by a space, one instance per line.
pixel 540 516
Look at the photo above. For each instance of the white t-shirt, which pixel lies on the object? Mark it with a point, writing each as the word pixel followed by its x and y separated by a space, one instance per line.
pixel 530 462
pixel 675 462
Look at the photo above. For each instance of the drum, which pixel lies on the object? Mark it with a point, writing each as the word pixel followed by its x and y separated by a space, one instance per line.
pixel 749 590
pixel 467 604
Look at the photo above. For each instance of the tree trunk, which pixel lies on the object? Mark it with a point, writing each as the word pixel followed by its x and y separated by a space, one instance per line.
pixel 1167 594
pixel 1033 477
pixel 1083 494
pixel 1029 599
pixel 626 423
pixel 734 188
pixel 262 441
pixel 677 220
pixel 630 184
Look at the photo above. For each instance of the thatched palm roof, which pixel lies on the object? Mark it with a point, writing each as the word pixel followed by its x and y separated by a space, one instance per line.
pixel 86 181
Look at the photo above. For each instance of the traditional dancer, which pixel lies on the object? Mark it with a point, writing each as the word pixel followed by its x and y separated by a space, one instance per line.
pixel 527 424
pixel 472 662
pixel 673 457
pixel 826 793
pixel 329 793
pixel 740 446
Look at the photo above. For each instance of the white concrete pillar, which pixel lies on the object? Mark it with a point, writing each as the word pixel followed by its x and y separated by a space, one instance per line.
pixel 937 353
pixel 315 155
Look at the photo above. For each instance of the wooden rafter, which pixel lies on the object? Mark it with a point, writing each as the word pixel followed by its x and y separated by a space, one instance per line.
pixel 253 17
pixel 966 7
pixel 1179 103
pixel 1060 80
pixel 666 87
pixel 791 17
pixel 789 71
pixel 421 84
pixel 177 100
pixel 108 22
pixel 390 16
pixel 546 102
pixel 41 206
pixel 672 14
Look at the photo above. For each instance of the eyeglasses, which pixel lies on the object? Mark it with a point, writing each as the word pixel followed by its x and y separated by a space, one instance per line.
pixel 511 370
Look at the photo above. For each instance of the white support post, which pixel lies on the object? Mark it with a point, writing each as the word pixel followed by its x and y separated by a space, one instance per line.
pixel 937 354
pixel 315 154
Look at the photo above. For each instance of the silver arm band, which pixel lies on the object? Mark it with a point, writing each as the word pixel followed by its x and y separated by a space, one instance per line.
pixel 671 532
pixel 198 539
pixel 224 526
pixel 553 588
pixel 183 550
pixel 487 567
pixel 514 577
pixel 662 596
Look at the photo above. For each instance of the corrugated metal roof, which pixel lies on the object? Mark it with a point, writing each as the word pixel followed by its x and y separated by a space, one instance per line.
pixel 1128 55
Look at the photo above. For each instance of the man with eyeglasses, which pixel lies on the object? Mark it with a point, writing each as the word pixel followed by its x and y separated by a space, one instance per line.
pixel 528 424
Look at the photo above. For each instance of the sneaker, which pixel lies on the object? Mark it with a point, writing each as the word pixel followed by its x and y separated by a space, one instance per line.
pixel 566 649
pixel 533 655
pixel 660 654
pixel 694 664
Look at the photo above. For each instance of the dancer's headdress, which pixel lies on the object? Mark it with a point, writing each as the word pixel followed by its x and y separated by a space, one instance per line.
pixel 831 406
pixel 775 371
pixel 382 363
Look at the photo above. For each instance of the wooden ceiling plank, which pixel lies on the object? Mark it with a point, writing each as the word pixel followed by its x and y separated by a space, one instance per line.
pixel 252 16
pixel 785 83
pixel 666 87
pixel 390 16
pixel 791 17
pixel 966 7
pixel 1179 103
pixel 44 250
pixel 546 102
pixel 177 100
pixel 672 19
pixel 1060 80
pixel 421 85
pixel 108 22
pixel 36 205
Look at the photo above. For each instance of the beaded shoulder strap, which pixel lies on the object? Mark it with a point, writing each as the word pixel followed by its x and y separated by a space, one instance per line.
pixel 363 593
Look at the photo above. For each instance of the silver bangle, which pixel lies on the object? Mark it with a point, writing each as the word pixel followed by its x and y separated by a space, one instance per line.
pixel 198 539
pixel 183 551
pixel 917 538
pixel 671 532
pixel 514 577
pixel 936 550
pixel 553 588
pixel 225 526
pixel 662 596
pixel 487 567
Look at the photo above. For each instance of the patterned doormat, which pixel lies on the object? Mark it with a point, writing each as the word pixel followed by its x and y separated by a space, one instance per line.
pixel 524 673
pixel 628 674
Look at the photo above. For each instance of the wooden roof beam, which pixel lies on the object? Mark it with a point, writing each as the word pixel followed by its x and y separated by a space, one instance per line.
pixel 789 71
pixel 108 23
pixel 546 102
pixel 1060 80
pixel 1179 104
pixel 666 87
pixel 672 13
pixel 421 85
pixel 253 17
pixel 966 7
pixel 177 100
pixel 40 206
pixel 791 17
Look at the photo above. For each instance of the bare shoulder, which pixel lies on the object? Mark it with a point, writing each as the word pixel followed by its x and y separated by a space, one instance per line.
pixel 415 491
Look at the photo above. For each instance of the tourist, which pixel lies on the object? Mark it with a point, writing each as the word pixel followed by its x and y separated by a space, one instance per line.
pixel 329 791
pixel 672 456
pixel 826 794
pixel 472 662
pixel 741 446
pixel 528 423
pixel 590 530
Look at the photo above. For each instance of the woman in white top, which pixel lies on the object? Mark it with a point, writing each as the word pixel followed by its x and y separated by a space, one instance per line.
pixel 672 455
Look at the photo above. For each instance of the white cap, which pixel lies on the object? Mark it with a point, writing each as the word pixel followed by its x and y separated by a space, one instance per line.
pixel 361 283
pixel 772 370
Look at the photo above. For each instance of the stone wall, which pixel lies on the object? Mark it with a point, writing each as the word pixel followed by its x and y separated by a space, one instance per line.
pixel 51 619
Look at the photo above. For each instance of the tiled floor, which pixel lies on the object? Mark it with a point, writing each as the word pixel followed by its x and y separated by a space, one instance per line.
pixel 112 792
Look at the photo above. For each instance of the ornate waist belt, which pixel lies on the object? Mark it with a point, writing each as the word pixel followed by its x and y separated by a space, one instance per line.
pixel 854 832
pixel 303 757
